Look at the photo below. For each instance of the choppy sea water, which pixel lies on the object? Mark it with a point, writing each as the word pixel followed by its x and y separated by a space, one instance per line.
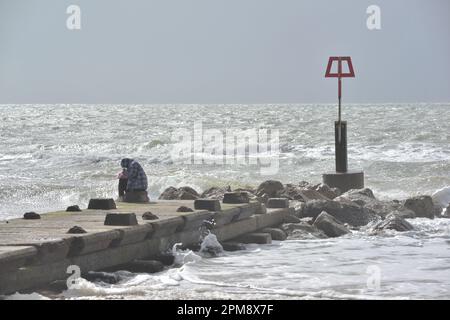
pixel 53 156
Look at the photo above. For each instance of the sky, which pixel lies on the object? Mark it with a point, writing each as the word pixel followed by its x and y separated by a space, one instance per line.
pixel 222 51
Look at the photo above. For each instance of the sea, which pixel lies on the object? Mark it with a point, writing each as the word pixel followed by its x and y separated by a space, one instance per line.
pixel 53 156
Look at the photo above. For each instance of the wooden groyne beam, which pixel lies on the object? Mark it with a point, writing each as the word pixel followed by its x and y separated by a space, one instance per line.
pixel 35 253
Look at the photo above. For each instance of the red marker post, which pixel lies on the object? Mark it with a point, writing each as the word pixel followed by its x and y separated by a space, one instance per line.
pixel 340 126
pixel 342 178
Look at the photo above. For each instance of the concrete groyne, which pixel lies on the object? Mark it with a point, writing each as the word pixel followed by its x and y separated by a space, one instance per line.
pixel 36 252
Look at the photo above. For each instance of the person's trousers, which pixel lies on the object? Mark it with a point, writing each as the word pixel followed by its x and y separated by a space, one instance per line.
pixel 122 187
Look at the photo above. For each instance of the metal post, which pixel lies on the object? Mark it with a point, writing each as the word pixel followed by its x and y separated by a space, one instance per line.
pixel 341 146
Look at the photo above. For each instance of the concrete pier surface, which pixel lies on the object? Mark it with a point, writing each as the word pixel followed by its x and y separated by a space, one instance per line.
pixel 37 252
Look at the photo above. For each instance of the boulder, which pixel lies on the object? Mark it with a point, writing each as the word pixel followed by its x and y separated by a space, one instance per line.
pixel 359 196
pixel 292 192
pixel 74 208
pixel 269 189
pixel 165 258
pixel 251 192
pixel 76 230
pixel 215 193
pixel 184 209
pixel 302 230
pixel 404 214
pixel 346 212
pixel 330 226
pixel 393 222
pixel 291 219
pixel 306 185
pixel 438 211
pixel 366 199
pixel 255 237
pixel 187 193
pixel 299 193
pixel 149 216
pixel 31 216
pixel 277 203
pixel 421 205
pixel 183 193
pixel 276 234
pixel 309 220
pixel 328 192
pixel 298 206
pixel 233 246
pixel 94 276
pixel 143 266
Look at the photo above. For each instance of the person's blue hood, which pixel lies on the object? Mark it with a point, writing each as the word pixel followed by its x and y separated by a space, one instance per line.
pixel 125 163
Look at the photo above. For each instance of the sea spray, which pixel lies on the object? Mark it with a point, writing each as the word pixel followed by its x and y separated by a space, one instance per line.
pixel 182 257
pixel 210 246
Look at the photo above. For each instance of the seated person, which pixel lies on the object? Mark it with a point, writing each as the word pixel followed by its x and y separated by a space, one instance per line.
pixel 132 178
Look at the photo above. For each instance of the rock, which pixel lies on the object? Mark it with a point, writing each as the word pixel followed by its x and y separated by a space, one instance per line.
pixel 292 192
pixel 298 206
pixel 74 208
pixel 215 193
pixel 422 206
pixel 346 212
pixel 438 211
pixel 291 219
pixel 76 230
pixel 306 185
pixel 277 203
pixel 143 266
pixel 302 230
pixel 404 214
pixel 136 197
pixel 233 246
pixel 365 198
pixel 276 234
pixel 149 216
pixel 102 204
pixel 183 193
pixel 309 195
pixel 207 204
pixel 330 226
pixel 269 189
pixel 442 197
pixel 184 209
pixel 105 277
pixel 359 196
pixel 170 193
pixel 120 219
pixel 328 192
pixel 393 222
pixel 236 197
pixel 255 237
pixel 251 192
pixel 31 216
pixel 165 258
pixel 308 220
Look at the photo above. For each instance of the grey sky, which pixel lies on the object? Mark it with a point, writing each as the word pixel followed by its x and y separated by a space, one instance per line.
pixel 222 51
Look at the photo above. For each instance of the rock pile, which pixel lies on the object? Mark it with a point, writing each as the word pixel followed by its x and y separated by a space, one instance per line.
pixel 321 211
